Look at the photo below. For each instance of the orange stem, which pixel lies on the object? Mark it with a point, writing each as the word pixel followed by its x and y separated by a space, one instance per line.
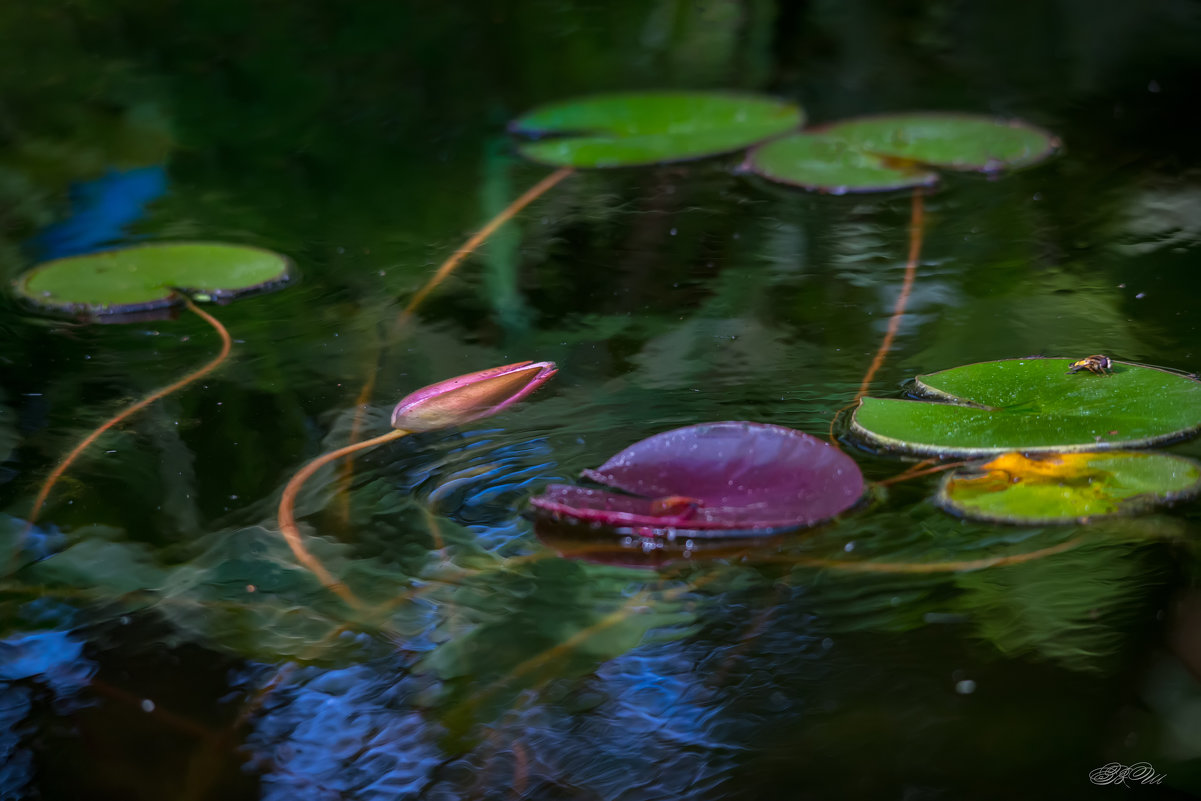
pixel 441 274
pixel 478 238
pixel 287 518
pixel 917 216
pixel 916 220
pixel 916 472
pixel 356 425
pixel 57 472
pixel 935 567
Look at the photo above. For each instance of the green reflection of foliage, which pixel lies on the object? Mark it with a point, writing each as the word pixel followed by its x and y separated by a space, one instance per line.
pixel 1050 313
pixel 507 633
pixel 8 437
pixel 1074 609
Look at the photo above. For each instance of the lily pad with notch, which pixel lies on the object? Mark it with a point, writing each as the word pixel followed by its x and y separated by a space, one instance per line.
pixel 639 128
pixel 1032 405
pixel 897 151
pixel 151 276
pixel 713 480
pixel 1052 488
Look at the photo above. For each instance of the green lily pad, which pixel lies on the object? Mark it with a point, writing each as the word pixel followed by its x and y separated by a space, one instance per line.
pixel 872 154
pixel 1068 487
pixel 146 277
pixel 827 164
pixel 951 141
pixel 639 128
pixel 1033 405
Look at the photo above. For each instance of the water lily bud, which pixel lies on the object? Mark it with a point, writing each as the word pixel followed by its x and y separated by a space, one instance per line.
pixel 470 397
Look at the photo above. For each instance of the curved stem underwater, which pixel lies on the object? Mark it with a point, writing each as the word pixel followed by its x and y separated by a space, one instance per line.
pixel 918 470
pixel 917 218
pixel 287 517
pixel 441 274
pixel 957 566
pixel 57 472
pixel 478 238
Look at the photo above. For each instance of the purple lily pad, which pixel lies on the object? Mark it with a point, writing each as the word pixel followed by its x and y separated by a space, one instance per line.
pixel 714 480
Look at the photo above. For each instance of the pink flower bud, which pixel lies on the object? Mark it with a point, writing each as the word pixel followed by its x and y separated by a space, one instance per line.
pixel 469 397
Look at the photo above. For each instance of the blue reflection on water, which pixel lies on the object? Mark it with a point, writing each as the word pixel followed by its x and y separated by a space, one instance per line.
pixel 481 483
pixel 665 720
pixel 53 659
pixel 100 211
pixel 341 732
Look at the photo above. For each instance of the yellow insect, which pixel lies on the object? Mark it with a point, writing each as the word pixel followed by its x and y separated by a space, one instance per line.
pixel 1097 363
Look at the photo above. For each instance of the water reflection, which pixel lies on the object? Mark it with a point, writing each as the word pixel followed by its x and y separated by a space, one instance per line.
pixel 484 664
pixel 35 669
pixel 102 211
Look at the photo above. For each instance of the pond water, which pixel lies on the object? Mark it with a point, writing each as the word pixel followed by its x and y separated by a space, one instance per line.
pixel 158 638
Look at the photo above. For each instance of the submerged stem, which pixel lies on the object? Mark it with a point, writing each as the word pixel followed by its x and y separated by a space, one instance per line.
pixel 916 225
pixel 933 567
pixel 918 470
pixel 917 216
pixel 441 274
pixel 57 472
pixel 287 518
pixel 478 238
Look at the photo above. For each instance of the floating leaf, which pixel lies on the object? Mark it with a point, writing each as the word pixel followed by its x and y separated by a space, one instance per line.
pixel 951 141
pixel 638 128
pixel 714 479
pixel 1033 405
pixel 872 154
pixel 1068 487
pixel 827 164
pixel 146 276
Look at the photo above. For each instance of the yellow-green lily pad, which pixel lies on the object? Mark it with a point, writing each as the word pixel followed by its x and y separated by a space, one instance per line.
pixel 828 164
pixel 1033 405
pixel 1047 488
pixel 896 151
pixel 150 276
pixel 638 128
